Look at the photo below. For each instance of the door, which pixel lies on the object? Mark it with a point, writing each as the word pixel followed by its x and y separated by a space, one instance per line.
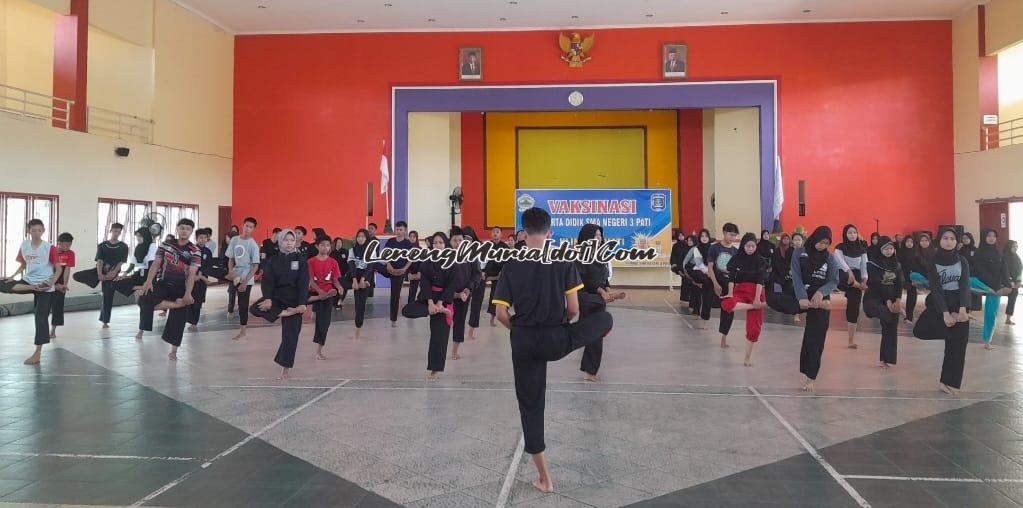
pixel 995 216
pixel 223 226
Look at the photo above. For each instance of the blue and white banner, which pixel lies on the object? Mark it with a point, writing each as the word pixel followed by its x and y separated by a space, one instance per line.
pixel 639 218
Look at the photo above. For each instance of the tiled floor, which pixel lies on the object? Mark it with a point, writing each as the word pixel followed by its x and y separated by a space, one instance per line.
pixel 677 421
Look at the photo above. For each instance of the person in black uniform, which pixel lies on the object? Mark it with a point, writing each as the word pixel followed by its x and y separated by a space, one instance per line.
pixel 479 286
pixel 396 270
pixel 436 301
pixel 202 279
pixel 285 288
pixel 413 270
pixel 268 249
pixel 946 314
pixel 110 257
pixel 358 276
pixel 883 299
pixel 593 298
pixel 467 280
pixel 545 300
pixel 491 272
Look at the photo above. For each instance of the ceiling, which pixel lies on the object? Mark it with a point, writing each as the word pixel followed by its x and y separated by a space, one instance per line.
pixel 302 16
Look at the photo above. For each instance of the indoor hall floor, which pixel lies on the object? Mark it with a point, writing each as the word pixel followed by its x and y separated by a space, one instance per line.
pixel 677 420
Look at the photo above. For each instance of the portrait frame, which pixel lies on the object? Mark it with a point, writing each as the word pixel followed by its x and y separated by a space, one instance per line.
pixel 464 57
pixel 681 52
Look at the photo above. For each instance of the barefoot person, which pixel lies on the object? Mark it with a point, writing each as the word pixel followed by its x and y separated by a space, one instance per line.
pixel 37 262
pixel 491 272
pixel 851 256
pixel 989 267
pixel 747 273
pixel 545 300
pixel 142 258
pixel 814 277
pixel 467 279
pixel 946 313
pixel 170 282
pixel 324 288
pixel 593 298
pixel 242 261
pixel 883 299
pixel 395 270
pixel 65 262
pixel 436 302
pixel 1015 270
pixel 358 277
pixel 717 262
pixel 285 287
pixel 110 257
pixel 203 279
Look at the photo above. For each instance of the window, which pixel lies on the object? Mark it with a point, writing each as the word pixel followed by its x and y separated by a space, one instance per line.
pixel 124 211
pixel 16 209
pixel 173 212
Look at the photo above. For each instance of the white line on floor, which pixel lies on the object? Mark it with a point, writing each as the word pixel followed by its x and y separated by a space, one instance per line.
pixel 239 444
pixel 509 479
pixel 272 387
pixel 813 451
pixel 676 311
pixel 929 479
pixel 101 457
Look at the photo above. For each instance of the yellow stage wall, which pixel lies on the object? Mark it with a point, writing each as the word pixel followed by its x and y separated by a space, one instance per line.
pixel 501 153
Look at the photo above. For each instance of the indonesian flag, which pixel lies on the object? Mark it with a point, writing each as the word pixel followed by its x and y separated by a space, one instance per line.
pixel 779 190
pixel 385 176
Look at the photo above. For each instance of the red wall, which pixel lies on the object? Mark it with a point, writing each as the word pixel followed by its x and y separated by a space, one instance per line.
pixel 865 110
pixel 473 165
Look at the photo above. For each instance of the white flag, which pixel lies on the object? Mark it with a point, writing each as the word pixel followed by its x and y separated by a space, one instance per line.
pixel 779 191
pixel 385 177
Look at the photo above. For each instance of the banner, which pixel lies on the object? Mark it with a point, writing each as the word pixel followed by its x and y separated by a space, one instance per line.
pixel 634 217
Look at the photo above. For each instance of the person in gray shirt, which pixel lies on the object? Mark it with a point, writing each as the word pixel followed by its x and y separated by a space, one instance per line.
pixel 242 262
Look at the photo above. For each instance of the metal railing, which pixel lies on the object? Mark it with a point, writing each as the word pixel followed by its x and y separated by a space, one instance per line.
pixel 1009 132
pixel 37 106
pixel 105 122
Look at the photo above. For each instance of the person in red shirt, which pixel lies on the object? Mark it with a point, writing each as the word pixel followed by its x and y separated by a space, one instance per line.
pixel 324 286
pixel 65 262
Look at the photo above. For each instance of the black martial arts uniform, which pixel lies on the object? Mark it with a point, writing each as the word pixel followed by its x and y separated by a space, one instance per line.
pixel 594 277
pixel 1013 267
pixel 358 269
pixel 286 284
pixel 467 276
pixel 396 280
pixel 678 254
pixel 199 288
pixel 885 276
pixel 111 256
pixel 540 333
pixel 341 256
pixel 491 269
pixel 438 284
pixel 948 276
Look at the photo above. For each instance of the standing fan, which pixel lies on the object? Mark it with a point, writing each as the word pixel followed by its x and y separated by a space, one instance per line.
pixel 155 223
pixel 456 198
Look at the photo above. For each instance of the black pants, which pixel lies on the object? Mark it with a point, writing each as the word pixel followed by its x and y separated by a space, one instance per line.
pixel 174 329
pixel 291 327
pixel 589 305
pixel 43 301
pixel 476 304
pixel 532 348
pixel 695 297
pixel 360 306
pixel 889 320
pixel 709 300
pixel 195 310
pixel 813 341
pixel 108 289
pixel 324 311
pixel 1011 306
pixel 437 353
pixel 57 308
pixel 413 291
pixel 931 326
pixel 910 301
pixel 853 296
pixel 396 283
pixel 461 313
pixel 243 302
pixel 491 309
pixel 976 303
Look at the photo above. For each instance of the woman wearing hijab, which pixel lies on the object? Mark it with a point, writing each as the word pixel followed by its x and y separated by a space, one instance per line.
pixel 413 270
pixel 909 260
pixel 678 254
pixel 468 278
pixel 1014 268
pixel 851 256
pixel 883 299
pixel 747 275
pixel 968 249
pixel 695 267
pixel 765 248
pixel 875 239
pixel 358 277
pixel 946 315
pixel 594 297
pixel 478 284
pixel 340 254
pixel 285 288
pixel 435 300
pixel 814 277
pixel 989 268
pixel 781 261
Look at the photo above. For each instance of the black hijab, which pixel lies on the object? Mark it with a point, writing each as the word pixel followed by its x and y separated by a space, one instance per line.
pixel 816 257
pixel 704 247
pixel 852 249
pixel 988 260
pixel 359 250
pixel 945 257
pixel 875 256
pixel 925 254
pixel 971 249
pixel 142 249
pixel 589 232
pixel 764 246
pixel 746 262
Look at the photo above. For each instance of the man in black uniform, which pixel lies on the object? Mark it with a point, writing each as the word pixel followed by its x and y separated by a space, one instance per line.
pixel 545 301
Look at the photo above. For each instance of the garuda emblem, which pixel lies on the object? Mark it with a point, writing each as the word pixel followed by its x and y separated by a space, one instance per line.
pixel 576 49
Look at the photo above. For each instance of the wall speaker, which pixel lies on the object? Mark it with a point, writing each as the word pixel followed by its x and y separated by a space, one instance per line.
pixel 802 198
pixel 122 151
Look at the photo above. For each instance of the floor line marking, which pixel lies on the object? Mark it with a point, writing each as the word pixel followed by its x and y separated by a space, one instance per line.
pixel 509 478
pixel 88 456
pixel 271 387
pixel 932 479
pixel 239 444
pixel 812 451
pixel 676 311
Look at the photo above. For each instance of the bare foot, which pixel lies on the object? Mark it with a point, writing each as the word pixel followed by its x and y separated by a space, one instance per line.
pixel 456 356
pixel 138 336
pixel 53 333
pixel 472 334
pixel 193 328
pixel 173 356
pixel 321 356
pixel 492 323
pixel 853 345
pixel 724 343
pixel 546 486
pixel 394 324
pixel 591 378
pixel 432 376
pixel 1009 321
pixel 32 360
pixel 163 313
pixel 797 319
pixel 240 336
pixel 947 389
pixel 107 325
pixel 748 362
pixel 988 346
pixel 808 385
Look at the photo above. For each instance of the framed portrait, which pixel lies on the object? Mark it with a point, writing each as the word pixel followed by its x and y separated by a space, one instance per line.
pixel 470 64
pixel 674 61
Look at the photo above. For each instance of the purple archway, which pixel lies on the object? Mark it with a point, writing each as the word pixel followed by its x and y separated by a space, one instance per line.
pixel 685 95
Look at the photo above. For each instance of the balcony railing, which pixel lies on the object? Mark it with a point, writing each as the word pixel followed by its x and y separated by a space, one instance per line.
pixel 36 106
pixel 105 122
pixel 1009 132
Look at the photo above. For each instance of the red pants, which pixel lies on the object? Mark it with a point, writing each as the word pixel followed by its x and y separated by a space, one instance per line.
pixel 744 293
